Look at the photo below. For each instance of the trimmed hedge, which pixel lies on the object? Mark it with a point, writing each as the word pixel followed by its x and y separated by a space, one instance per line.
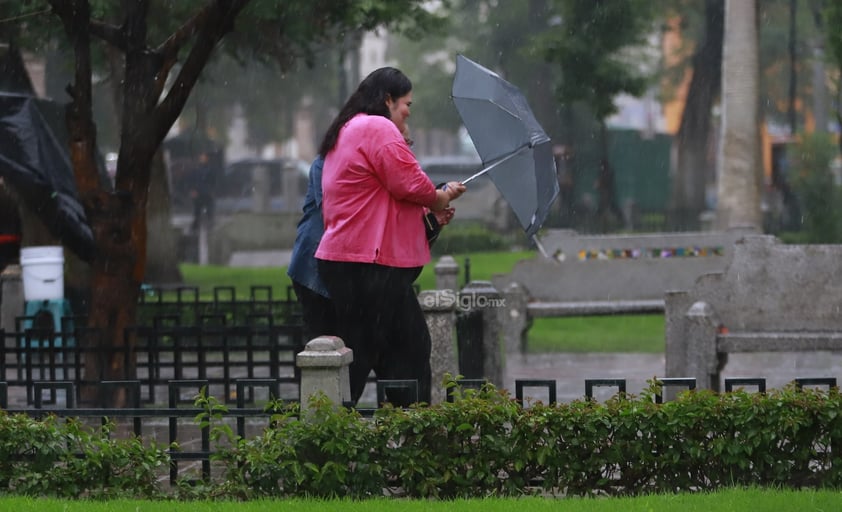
pixel 66 459
pixel 483 443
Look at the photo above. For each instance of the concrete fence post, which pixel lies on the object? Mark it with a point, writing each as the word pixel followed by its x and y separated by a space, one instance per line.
pixel 483 296
pixel 702 360
pixel 514 318
pixel 447 273
pixel 676 305
pixel 439 308
pixel 324 368
pixel 11 297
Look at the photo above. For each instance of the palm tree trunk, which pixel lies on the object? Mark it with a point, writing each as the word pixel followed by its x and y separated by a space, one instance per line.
pixel 738 161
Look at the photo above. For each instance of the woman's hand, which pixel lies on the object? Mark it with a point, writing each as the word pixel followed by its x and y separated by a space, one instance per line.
pixel 455 189
pixel 451 190
pixel 444 216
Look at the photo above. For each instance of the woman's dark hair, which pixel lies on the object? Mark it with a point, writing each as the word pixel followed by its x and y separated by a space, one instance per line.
pixel 369 98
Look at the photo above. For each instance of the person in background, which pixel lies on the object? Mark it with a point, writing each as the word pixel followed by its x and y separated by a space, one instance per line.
pixel 317 310
pixel 607 194
pixel 374 246
pixel 201 191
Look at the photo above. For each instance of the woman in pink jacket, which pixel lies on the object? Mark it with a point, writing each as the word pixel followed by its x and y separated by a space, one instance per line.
pixel 374 247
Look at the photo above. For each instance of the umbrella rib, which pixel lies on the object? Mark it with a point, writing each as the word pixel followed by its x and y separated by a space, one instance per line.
pixel 501 107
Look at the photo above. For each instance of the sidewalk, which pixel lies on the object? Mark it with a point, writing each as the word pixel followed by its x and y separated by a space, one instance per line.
pixel 571 370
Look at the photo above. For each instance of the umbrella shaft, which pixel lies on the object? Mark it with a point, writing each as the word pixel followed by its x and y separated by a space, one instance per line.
pixel 495 164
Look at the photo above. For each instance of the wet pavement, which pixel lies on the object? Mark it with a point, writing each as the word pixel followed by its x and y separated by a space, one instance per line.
pixel 570 370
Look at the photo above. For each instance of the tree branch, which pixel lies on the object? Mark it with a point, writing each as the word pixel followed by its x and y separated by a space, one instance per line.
pixel 64 11
pixel 168 50
pixel 211 24
pixel 111 34
pixel 173 44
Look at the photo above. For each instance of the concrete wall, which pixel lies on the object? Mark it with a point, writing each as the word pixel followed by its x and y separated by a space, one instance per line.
pixel 251 232
pixel 770 297
pixel 771 286
pixel 619 267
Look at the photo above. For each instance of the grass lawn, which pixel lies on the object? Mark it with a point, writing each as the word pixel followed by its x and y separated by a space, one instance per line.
pixel 733 500
pixel 621 333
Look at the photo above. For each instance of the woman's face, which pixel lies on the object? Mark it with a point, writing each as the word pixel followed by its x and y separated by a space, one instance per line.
pixel 399 110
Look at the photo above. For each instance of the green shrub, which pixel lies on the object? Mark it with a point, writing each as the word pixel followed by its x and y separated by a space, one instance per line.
pixel 64 458
pixel 464 238
pixel 483 443
pixel 329 455
pixel 817 192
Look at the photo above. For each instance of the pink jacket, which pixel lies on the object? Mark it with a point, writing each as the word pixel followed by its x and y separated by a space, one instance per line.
pixel 374 197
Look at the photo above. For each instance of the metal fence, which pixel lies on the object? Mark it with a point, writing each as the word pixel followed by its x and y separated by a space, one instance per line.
pixel 179 335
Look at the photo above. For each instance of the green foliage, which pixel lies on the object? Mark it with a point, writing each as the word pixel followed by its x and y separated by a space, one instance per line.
pixel 64 458
pixel 331 454
pixel 833 20
pixel 486 444
pixel 819 196
pixel 591 47
pixel 481 444
pixel 467 238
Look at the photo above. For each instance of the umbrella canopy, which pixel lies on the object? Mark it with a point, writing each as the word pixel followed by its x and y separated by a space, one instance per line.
pixel 516 152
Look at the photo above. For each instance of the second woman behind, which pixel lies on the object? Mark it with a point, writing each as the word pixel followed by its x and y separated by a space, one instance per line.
pixel 374 246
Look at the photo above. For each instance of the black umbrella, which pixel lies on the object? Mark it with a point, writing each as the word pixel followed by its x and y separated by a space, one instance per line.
pixel 34 160
pixel 515 151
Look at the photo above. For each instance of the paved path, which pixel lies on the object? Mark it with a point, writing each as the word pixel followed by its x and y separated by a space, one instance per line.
pixel 570 370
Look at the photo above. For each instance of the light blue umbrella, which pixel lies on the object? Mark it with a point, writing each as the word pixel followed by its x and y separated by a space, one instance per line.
pixel 516 152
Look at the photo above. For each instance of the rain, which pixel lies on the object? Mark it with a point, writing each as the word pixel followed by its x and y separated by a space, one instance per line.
pixel 613 154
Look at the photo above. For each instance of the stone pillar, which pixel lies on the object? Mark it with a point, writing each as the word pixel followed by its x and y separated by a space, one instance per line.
pixel 702 360
pixel 261 193
pixel 290 178
pixel 514 319
pixel 439 308
pixel 447 274
pixel 11 298
pixel 483 296
pixel 676 304
pixel 324 368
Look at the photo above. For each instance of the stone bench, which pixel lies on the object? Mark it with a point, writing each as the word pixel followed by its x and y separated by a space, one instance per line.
pixel 588 275
pixel 771 297
pixel 593 308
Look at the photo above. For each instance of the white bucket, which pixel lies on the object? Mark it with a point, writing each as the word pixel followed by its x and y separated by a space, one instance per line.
pixel 42 268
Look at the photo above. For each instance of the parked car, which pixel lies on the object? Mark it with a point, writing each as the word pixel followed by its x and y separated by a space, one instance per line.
pixel 481 202
pixel 268 185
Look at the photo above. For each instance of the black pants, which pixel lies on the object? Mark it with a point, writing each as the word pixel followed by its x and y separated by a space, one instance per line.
pixel 317 311
pixel 379 318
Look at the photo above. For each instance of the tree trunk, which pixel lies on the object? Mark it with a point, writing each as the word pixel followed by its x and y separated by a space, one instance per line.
pixel 118 218
pixel 114 293
pixel 161 251
pixel 739 187
pixel 693 162
pixel 105 311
